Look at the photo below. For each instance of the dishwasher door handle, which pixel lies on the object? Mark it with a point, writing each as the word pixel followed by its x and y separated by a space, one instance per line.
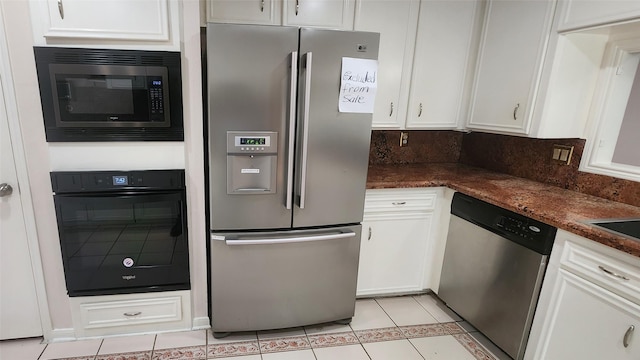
pixel 285 240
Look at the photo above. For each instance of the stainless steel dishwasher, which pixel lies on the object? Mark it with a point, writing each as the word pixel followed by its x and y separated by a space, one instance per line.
pixel 494 263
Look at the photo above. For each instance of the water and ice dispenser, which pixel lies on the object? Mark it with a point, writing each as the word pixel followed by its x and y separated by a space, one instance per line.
pixel 252 158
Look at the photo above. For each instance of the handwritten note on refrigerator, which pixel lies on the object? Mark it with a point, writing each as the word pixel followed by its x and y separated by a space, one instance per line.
pixel 358 85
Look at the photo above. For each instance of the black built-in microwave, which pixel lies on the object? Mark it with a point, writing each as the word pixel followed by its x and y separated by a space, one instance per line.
pixel 110 95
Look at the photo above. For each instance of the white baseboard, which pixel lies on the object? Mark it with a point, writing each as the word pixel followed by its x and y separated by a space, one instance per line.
pixel 200 323
pixel 60 335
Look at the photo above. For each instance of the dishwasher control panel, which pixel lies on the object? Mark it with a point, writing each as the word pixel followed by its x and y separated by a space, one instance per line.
pixel 518 227
pixel 521 229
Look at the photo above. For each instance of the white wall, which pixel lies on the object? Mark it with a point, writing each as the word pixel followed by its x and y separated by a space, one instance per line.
pixel 626 151
pixel 43 157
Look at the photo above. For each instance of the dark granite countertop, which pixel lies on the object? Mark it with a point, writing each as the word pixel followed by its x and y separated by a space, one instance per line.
pixel 564 209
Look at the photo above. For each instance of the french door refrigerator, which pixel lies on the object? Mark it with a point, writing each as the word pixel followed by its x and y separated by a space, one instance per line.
pixel 287 175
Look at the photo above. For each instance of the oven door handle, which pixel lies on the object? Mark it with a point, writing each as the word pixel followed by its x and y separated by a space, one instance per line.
pixel 283 240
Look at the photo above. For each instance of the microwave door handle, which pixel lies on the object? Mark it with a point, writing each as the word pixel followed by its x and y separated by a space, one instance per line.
pixel 284 240
pixel 305 135
pixel 292 127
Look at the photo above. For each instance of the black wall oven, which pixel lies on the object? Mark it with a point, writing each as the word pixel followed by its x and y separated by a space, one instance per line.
pixel 122 232
pixel 110 95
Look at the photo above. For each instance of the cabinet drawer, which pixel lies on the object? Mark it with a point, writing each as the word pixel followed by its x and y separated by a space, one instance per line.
pixel 399 200
pixel 131 312
pixel 614 270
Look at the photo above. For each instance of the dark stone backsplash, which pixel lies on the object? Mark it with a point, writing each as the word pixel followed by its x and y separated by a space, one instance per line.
pixel 431 146
pixel 518 156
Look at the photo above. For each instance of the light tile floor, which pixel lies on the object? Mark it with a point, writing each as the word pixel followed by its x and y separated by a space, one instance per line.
pixel 390 328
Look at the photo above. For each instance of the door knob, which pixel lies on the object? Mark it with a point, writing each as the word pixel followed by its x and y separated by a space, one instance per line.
pixel 5 189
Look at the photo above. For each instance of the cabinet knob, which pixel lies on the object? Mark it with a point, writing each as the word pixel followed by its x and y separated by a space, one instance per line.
pixel 391 111
pixel 369 237
pixel 262 6
pixel 60 9
pixel 297 6
pixel 5 189
pixel 627 336
pixel 398 203
pixel 420 110
pixel 515 111
pixel 132 313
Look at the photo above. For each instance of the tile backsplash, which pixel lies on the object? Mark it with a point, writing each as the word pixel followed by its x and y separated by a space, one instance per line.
pixel 519 156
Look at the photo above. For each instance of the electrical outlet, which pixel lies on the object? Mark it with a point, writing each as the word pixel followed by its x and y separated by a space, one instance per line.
pixel 404 138
pixel 562 154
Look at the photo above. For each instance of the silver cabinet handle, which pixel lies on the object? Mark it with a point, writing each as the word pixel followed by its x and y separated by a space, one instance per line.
pixel 134 313
pixel 292 126
pixel 60 9
pixel 297 6
pixel 515 111
pixel 262 6
pixel 5 189
pixel 398 203
pixel 305 125
pixel 420 110
pixel 391 111
pixel 369 238
pixel 607 271
pixel 290 240
pixel 627 336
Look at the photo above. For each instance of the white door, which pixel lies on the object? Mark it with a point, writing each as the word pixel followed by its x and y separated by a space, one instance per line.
pixel 19 314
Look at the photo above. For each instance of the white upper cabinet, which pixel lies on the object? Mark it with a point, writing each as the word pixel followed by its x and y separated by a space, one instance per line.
pixel 266 12
pixel 443 52
pixel 334 14
pixel 396 22
pixel 529 80
pixel 99 22
pixel 578 14
pixel 512 49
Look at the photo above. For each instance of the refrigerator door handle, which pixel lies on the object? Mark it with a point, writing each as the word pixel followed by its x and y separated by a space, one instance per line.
pixel 284 240
pixel 292 126
pixel 305 135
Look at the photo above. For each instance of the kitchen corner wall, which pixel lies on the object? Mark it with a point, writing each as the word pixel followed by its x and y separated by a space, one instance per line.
pixel 518 156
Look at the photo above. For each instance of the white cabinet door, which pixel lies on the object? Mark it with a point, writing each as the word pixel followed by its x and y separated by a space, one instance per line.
pixel 396 238
pixel 590 323
pixel 396 22
pixel 442 54
pixel 266 12
pixel 335 14
pixel 19 312
pixel 577 14
pixel 512 49
pixel 105 19
pixel 392 255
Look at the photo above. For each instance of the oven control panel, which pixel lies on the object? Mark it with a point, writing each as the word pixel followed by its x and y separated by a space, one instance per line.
pixel 99 181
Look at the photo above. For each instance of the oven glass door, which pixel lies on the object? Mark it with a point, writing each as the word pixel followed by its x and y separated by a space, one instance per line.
pixel 113 243
pixel 110 95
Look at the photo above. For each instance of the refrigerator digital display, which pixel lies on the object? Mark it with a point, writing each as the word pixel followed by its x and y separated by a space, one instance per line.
pixel 253 141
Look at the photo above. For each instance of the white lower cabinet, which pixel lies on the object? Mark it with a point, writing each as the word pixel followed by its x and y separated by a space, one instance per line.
pixel 589 307
pixel 131 313
pixel 395 240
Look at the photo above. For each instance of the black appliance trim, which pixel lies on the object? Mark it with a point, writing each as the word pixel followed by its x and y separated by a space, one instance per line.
pixel 520 229
pixel 59 55
pixel 144 185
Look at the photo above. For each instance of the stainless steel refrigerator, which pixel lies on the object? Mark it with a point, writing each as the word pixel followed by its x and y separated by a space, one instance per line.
pixel 287 175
